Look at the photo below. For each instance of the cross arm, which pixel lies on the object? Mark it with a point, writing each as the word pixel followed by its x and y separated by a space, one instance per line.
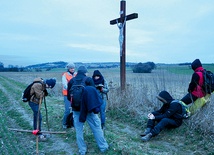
pixel 120 20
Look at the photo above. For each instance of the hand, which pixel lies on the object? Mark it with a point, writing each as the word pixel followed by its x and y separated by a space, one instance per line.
pixel 151 116
pixel 45 92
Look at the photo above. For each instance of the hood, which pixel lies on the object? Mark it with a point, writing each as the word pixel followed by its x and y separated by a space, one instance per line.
pixel 165 97
pixel 97 73
pixel 196 64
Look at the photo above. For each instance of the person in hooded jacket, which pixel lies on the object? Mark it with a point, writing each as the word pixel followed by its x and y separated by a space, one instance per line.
pixel 102 88
pixel 195 89
pixel 38 92
pixel 66 77
pixel 86 113
pixel 168 116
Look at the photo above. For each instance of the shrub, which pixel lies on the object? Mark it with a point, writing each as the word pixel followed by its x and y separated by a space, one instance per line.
pixel 144 67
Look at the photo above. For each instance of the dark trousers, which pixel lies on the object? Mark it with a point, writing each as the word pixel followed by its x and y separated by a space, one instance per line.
pixel 35 108
pixel 164 123
pixel 189 98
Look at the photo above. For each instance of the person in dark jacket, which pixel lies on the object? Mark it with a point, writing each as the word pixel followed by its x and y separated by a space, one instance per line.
pixel 102 87
pixel 168 116
pixel 91 102
pixel 195 89
pixel 91 118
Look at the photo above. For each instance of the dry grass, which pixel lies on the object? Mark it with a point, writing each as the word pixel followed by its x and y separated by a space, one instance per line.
pixel 127 111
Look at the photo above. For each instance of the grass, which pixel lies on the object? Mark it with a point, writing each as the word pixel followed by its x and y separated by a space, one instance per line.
pixel 126 118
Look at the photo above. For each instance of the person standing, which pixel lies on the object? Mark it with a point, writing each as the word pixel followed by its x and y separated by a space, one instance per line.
pixel 91 118
pixel 195 89
pixel 66 77
pixel 168 116
pixel 38 92
pixel 102 87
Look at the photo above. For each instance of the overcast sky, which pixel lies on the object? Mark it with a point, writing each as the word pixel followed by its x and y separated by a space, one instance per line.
pixel 166 31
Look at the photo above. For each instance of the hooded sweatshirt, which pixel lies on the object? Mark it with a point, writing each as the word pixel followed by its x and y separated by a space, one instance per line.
pixel 169 109
pixel 195 86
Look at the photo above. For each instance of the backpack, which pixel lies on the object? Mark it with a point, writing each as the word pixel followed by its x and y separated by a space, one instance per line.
pixel 26 94
pixel 76 92
pixel 208 84
pixel 185 110
pixel 70 120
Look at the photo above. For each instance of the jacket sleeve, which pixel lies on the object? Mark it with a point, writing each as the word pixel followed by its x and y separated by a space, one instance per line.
pixel 69 85
pixel 194 82
pixel 83 108
pixel 64 81
pixel 38 90
pixel 173 108
pixel 105 87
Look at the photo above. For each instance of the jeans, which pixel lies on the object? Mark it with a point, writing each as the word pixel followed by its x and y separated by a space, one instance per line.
pixel 67 105
pixel 94 123
pixel 163 123
pixel 102 112
pixel 35 108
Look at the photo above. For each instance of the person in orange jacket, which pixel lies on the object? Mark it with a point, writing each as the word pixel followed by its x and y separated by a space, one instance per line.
pixel 66 77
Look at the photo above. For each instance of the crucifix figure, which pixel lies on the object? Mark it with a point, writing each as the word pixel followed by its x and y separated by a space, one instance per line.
pixel 121 37
pixel 121 23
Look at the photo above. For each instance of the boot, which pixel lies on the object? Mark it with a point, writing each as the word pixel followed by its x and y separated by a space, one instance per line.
pixel 147 137
pixel 103 126
pixel 147 130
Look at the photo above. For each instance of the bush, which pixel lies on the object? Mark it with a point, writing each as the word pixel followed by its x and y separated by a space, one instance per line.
pixel 144 67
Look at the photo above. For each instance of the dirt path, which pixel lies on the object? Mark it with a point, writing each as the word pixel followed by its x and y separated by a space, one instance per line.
pixel 56 142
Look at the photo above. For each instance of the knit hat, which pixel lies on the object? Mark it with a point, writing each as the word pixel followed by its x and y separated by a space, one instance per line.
pixel 70 65
pixel 82 69
pixel 50 82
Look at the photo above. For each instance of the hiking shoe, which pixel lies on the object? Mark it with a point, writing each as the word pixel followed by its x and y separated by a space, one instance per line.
pixel 64 126
pixel 147 130
pixel 103 126
pixel 147 137
pixel 42 138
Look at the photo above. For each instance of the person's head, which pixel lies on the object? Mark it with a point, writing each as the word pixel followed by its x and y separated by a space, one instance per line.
pixel 165 97
pixel 70 67
pixel 97 74
pixel 50 83
pixel 196 64
pixel 82 69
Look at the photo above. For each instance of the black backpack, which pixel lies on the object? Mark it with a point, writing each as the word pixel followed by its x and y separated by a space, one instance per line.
pixel 76 92
pixel 70 120
pixel 208 84
pixel 26 94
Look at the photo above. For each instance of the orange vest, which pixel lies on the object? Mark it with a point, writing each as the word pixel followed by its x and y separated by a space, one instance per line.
pixel 68 78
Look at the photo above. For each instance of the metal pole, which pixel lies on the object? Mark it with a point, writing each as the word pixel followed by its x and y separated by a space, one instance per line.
pixel 123 56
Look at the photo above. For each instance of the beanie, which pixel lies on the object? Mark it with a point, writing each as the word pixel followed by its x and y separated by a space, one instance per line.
pixel 50 82
pixel 70 65
pixel 82 69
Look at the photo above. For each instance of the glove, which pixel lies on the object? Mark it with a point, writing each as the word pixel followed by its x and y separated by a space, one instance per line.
pixel 45 92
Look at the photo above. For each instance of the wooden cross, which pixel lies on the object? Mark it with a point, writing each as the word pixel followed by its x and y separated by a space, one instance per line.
pixel 121 23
